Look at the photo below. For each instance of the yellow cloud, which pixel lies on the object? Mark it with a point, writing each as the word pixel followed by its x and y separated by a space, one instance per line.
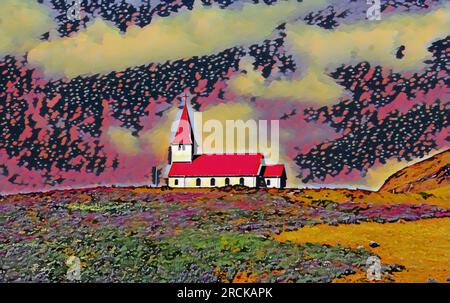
pixel 21 25
pixel 321 51
pixel 123 140
pixel 157 139
pixel 230 111
pixel 102 48
pixel 223 113
pixel 375 42
pixel 314 86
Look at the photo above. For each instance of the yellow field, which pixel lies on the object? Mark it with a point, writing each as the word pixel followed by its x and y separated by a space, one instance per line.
pixel 439 197
pixel 423 246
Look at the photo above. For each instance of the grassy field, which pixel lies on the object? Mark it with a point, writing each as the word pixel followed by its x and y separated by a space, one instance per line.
pixel 422 246
pixel 223 235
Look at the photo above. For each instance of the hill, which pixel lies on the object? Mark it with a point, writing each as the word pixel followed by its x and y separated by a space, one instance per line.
pixel 204 235
pixel 427 175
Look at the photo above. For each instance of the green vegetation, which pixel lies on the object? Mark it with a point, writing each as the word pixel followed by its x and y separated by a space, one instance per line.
pixel 112 255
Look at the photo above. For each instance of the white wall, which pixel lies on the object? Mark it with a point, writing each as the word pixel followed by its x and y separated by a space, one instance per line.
pixel 206 181
pixel 274 182
pixel 183 155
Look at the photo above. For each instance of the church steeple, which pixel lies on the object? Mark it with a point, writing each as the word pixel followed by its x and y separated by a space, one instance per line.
pixel 183 134
pixel 182 145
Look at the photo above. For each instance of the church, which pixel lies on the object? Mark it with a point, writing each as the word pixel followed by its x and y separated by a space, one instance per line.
pixel 189 169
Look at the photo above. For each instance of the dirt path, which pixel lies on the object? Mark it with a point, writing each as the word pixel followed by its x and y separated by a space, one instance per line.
pixel 423 246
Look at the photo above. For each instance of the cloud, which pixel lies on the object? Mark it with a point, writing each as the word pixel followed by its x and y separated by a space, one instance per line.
pixel 319 51
pixel 102 48
pixel 314 86
pixel 22 23
pixel 376 42
pixel 222 113
pixel 123 140
pixel 157 139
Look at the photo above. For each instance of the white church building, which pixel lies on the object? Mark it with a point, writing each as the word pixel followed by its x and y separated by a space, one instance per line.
pixel 190 170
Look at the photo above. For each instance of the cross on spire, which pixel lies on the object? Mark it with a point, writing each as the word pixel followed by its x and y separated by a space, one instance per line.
pixel 185 96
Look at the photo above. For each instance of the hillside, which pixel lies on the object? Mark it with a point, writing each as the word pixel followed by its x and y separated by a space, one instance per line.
pixel 219 235
pixel 427 175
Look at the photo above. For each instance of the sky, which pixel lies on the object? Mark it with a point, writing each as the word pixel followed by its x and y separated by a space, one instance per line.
pixel 91 102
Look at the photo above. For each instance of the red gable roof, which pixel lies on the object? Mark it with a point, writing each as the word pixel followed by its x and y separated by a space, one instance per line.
pixel 218 165
pixel 184 130
pixel 276 170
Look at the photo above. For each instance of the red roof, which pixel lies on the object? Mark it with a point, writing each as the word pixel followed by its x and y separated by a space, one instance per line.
pixel 218 165
pixel 184 130
pixel 276 170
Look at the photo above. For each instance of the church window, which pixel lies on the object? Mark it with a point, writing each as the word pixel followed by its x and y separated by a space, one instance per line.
pixel 198 182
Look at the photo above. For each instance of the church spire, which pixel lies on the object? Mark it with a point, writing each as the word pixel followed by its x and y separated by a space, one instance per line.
pixel 183 134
